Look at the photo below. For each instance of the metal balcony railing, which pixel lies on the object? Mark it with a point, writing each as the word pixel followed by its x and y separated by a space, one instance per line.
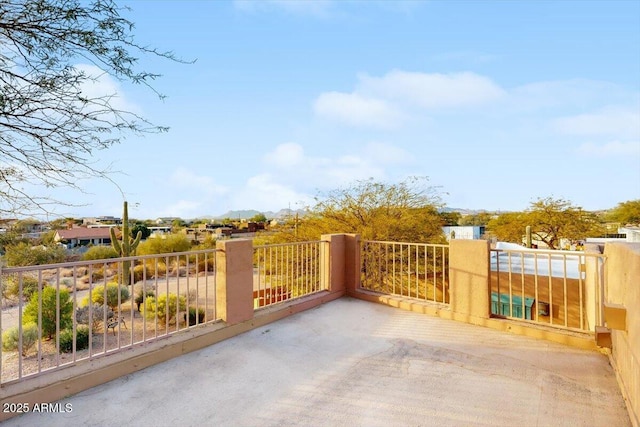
pixel 548 287
pixel 412 270
pixel 283 272
pixel 55 315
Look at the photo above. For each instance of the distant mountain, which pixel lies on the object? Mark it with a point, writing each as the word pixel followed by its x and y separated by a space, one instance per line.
pixel 250 213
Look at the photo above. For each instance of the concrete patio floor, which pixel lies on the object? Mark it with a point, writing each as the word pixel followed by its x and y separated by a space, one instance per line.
pixel 354 363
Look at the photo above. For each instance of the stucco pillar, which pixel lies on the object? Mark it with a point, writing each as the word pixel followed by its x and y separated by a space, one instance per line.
pixel 234 280
pixel 623 290
pixel 340 262
pixel 469 273
pixel 593 286
pixel 352 262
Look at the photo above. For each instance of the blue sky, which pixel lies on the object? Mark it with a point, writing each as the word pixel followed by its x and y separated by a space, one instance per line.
pixel 498 103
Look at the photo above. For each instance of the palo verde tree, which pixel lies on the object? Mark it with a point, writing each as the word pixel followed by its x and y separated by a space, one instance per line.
pixel 405 211
pixel 51 118
pixel 550 220
pixel 626 213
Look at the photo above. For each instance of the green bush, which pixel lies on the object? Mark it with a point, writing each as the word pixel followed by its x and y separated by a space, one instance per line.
pixel 23 253
pixel 99 252
pixel 11 338
pixel 142 295
pixel 82 339
pixel 98 315
pixel 50 310
pixel 97 275
pixel 158 308
pixel 192 316
pixel 29 286
pixel 169 244
pixel 208 265
pixel 97 295
pixel 139 272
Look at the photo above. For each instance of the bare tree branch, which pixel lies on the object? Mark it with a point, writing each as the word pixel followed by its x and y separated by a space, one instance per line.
pixel 50 126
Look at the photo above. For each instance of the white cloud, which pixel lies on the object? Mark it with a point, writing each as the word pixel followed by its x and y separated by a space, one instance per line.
pixel 101 84
pixel 387 102
pixel 566 93
pixel 433 91
pixel 619 122
pixel 387 154
pixel 197 194
pixel 263 191
pixel 297 170
pixel 611 149
pixel 185 179
pixel 357 110
pixel 289 154
pixel 182 209
pixel 327 8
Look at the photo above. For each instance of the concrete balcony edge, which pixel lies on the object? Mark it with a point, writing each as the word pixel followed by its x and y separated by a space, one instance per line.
pixel 85 374
pixel 574 339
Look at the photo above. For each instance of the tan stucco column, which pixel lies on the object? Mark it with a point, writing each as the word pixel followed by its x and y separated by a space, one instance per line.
pixel 234 280
pixel 340 262
pixel 469 274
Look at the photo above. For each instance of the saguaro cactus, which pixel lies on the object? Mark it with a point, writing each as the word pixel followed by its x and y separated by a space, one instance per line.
pixel 125 247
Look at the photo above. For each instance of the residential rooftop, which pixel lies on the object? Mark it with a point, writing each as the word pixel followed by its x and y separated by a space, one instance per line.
pixel 338 331
pixel 352 362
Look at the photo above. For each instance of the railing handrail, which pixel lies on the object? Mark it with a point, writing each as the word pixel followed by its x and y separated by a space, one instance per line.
pixel 273 245
pixel 557 252
pixel 102 261
pixel 384 242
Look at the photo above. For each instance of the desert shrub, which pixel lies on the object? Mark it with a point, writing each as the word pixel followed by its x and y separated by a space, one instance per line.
pixel 206 265
pixel 139 272
pixel 97 274
pixel 113 289
pixel 209 242
pixel 164 309
pixel 50 310
pixel 99 252
pixel 23 253
pixel 154 269
pixel 192 316
pixel 82 339
pixel 143 294
pixel 98 314
pixel 29 286
pixel 11 338
pixel 169 244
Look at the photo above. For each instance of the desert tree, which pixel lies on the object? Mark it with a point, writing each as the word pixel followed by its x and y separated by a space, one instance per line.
pixel 404 211
pixel 626 213
pixel 550 219
pixel 52 120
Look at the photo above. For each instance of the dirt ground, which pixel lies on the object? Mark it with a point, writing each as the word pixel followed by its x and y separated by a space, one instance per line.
pixel 198 290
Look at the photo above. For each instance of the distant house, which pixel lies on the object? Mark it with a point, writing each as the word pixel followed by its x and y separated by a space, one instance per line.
pixel 82 236
pixel 166 220
pixel 632 233
pixel 101 220
pixel 469 232
pixel 628 233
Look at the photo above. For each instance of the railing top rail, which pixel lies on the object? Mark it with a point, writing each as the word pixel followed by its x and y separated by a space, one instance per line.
pixel 273 245
pixel 102 261
pixel 437 245
pixel 556 252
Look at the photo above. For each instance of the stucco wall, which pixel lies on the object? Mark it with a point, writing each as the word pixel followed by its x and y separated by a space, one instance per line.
pixel 469 270
pixel 623 288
